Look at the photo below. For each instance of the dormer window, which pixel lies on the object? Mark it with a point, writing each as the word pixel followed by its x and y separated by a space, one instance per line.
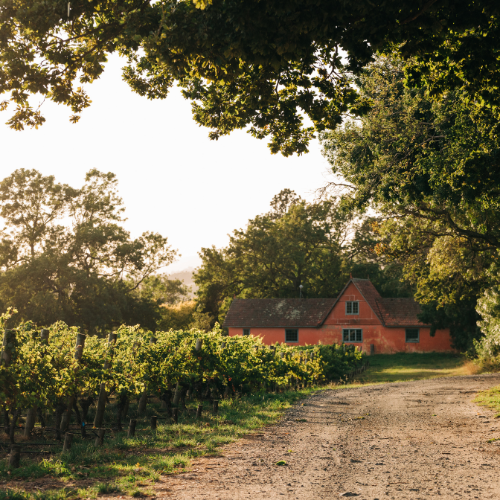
pixel 352 307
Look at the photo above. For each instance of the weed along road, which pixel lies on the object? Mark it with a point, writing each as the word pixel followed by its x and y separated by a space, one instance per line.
pixel 423 439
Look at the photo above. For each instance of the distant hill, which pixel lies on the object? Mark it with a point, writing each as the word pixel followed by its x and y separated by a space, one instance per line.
pixel 185 275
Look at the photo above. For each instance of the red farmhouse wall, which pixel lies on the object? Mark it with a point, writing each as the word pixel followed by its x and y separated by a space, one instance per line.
pixel 386 340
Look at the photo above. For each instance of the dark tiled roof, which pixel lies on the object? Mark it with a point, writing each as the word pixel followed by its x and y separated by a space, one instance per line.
pixel 367 290
pixel 390 312
pixel 278 312
pixel 313 312
pixel 400 312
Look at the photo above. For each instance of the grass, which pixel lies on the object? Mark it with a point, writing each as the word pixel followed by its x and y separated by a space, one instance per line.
pixel 131 466
pixel 404 367
pixel 491 399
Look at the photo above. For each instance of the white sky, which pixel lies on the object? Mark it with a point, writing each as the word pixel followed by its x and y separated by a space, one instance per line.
pixel 172 178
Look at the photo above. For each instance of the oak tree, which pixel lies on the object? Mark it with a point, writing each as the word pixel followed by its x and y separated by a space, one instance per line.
pixel 65 255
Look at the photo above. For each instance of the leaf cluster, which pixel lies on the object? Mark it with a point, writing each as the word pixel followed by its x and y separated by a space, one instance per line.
pixel 263 66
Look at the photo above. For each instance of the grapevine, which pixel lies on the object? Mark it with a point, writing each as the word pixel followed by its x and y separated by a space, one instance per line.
pixel 48 376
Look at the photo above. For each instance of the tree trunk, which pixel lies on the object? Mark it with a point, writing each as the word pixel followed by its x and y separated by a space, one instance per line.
pixel 166 398
pixel 15 457
pixel 99 440
pixel 66 417
pixel 101 406
pixel 183 397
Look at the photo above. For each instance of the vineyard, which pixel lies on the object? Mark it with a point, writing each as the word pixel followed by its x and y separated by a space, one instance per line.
pixel 57 384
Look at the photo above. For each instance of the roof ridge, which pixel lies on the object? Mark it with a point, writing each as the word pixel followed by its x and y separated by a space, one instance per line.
pixel 375 307
pixel 398 298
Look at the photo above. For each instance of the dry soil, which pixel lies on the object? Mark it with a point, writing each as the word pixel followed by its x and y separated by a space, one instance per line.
pixel 415 440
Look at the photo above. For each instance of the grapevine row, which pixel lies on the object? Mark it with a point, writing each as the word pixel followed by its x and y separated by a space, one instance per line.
pixel 65 372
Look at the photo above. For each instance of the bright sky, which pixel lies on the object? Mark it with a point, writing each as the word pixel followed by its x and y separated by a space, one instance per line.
pixel 172 178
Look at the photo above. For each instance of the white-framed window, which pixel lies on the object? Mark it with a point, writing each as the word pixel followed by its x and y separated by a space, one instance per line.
pixel 246 332
pixel 412 335
pixel 291 335
pixel 352 335
pixel 352 307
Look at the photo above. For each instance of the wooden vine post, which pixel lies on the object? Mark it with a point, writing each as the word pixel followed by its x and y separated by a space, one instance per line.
pixel 80 343
pixel 199 343
pixel 8 352
pixel 68 439
pixel 44 335
pixel 99 440
pixel 143 399
pixel 131 428
pixel 9 337
pixel 101 403
pixel 197 349
pixel 32 412
pixel 177 394
pixel 15 456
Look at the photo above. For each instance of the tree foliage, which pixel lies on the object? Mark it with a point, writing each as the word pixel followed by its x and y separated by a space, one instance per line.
pixel 488 307
pixel 64 254
pixel 179 316
pixel 487 346
pixel 244 64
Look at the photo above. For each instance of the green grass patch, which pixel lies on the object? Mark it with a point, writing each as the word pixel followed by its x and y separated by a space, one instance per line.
pixel 491 399
pixel 131 465
pixel 402 367
pixel 10 494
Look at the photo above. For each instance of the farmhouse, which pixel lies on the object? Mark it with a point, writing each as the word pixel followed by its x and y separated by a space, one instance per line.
pixel 359 316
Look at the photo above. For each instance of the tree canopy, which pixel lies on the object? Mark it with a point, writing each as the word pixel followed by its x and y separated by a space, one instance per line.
pixel 64 255
pixel 264 66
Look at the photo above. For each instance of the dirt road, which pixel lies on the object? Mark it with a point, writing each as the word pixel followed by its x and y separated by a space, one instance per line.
pixel 422 439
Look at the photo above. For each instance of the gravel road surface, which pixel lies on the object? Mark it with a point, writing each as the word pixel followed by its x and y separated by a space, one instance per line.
pixel 415 440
